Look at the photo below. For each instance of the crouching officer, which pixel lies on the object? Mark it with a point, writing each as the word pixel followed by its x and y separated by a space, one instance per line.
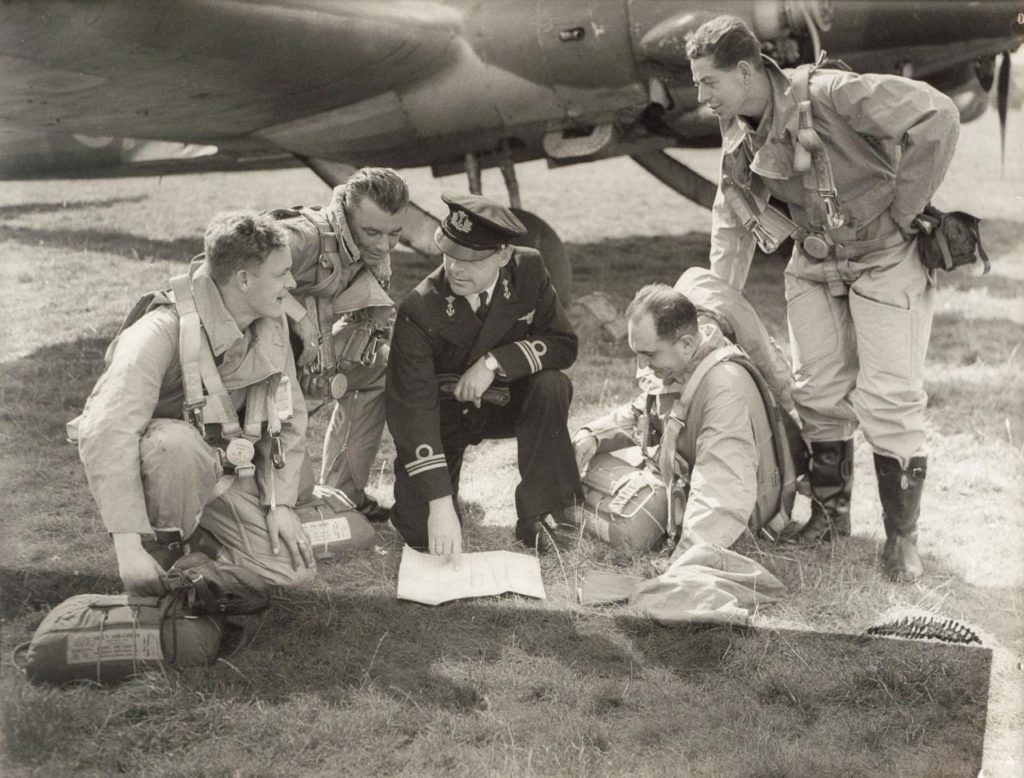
pixel 477 353
pixel 195 433
pixel 341 261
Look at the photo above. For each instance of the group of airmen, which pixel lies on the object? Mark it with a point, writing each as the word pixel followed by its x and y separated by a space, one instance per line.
pixel 195 435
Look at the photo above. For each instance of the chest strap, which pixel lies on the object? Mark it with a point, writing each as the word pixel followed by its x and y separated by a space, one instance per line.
pixel 810 158
pixel 206 400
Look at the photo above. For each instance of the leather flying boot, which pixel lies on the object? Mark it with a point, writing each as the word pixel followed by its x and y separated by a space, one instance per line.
pixel 900 492
pixel 831 487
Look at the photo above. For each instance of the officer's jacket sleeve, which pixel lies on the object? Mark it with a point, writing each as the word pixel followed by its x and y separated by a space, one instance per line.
pixel 732 244
pixel 412 408
pixel 293 440
pixel 116 416
pixel 723 473
pixel 615 430
pixel 923 121
pixel 551 344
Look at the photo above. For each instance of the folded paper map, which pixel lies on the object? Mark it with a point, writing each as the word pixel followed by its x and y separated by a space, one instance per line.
pixel 428 579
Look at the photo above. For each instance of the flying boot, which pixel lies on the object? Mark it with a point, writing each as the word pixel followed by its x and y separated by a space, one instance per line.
pixel 831 487
pixel 900 492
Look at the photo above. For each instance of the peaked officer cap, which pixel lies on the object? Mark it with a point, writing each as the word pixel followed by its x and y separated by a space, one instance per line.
pixel 475 227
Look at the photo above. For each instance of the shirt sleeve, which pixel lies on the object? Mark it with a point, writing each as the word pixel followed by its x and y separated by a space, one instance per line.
pixel 723 476
pixel 413 410
pixel 923 121
pixel 614 430
pixel 116 415
pixel 732 244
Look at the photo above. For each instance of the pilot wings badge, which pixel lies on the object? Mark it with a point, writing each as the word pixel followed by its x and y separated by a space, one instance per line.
pixel 460 220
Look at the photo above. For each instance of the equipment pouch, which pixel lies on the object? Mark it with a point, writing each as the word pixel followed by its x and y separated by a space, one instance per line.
pixel 948 240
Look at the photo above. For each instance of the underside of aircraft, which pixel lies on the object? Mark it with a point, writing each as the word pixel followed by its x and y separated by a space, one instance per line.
pixel 126 87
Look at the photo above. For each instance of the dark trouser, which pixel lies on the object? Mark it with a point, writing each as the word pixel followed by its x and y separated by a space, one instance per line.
pixel 536 416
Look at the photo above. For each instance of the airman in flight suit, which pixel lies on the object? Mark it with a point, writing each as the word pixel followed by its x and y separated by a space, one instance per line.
pixel 855 158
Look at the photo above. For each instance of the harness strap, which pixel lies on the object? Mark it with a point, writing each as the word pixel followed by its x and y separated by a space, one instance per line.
pixel 676 423
pixel 190 336
pixel 811 157
pixel 329 266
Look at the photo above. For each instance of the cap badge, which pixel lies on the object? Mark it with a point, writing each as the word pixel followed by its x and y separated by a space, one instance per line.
pixel 460 220
pixel 450 310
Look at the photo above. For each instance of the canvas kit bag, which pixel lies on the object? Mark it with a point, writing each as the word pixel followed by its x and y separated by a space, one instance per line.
pixel 107 639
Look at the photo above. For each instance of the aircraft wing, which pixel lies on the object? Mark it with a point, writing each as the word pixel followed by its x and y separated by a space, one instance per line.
pixel 205 71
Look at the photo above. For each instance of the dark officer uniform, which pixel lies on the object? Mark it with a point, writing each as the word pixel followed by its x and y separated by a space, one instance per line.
pixel 437 332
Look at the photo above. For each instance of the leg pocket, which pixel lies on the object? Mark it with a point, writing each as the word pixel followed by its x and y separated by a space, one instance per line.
pixel 885 337
pixel 813 332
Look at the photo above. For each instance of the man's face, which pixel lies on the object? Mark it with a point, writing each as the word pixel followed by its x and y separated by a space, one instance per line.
pixel 666 357
pixel 266 284
pixel 375 230
pixel 466 278
pixel 723 91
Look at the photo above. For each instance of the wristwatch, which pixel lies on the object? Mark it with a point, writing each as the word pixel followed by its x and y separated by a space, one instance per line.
pixel 491 363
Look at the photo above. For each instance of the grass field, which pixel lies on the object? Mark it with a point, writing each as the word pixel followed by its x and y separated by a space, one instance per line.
pixel 344 679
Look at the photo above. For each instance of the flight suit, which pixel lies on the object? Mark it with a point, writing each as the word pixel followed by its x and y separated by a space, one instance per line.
pixel 859 327
pixel 357 421
pixel 726 441
pixel 859 317
pixel 437 333
pixel 150 470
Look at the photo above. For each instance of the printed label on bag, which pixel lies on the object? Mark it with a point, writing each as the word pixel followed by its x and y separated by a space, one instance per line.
pixel 115 644
pixel 328 530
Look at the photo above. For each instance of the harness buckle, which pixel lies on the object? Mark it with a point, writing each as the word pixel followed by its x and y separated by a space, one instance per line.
pixel 833 213
pixel 815 246
pixel 277 452
pixel 194 414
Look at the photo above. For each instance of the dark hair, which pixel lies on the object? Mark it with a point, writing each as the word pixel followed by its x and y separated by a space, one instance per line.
pixel 240 239
pixel 727 40
pixel 671 310
pixel 384 186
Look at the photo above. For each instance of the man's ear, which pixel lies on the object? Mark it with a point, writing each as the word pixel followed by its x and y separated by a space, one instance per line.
pixel 506 255
pixel 746 69
pixel 242 278
pixel 687 340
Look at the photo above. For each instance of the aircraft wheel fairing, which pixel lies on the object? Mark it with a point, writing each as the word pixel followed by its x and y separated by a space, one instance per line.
pixel 542 236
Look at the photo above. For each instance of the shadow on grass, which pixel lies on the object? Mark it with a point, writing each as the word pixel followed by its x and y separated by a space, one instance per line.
pixel 469 657
pixel 107 242
pixel 42 390
pixel 23 590
pixel 26 209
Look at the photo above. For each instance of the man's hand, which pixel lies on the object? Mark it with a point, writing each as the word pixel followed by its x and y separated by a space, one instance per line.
pixel 444 532
pixel 283 526
pixel 473 383
pixel 585 447
pixel 139 572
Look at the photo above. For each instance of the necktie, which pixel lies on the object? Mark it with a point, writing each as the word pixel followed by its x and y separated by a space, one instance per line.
pixel 481 308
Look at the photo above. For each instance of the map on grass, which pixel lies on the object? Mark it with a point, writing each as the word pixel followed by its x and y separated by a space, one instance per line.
pixel 428 579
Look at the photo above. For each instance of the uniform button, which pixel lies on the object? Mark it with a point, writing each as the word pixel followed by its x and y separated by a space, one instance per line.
pixel 465 411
